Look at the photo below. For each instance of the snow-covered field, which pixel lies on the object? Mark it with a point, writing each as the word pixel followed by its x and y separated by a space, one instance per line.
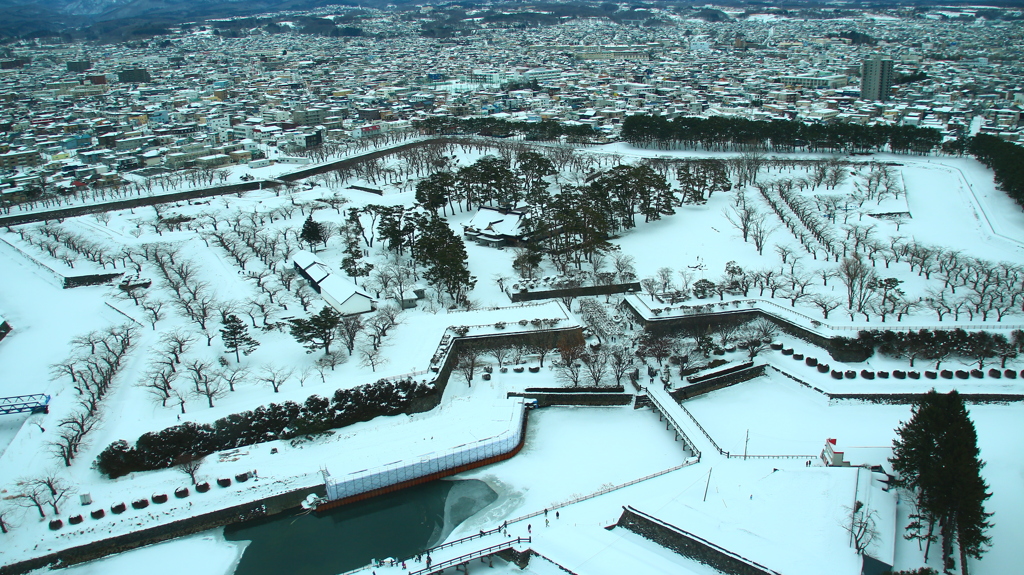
pixel 950 203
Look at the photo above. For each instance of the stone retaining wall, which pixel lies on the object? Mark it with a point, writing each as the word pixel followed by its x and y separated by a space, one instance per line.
pixel 574 292
pixel 594 399
pixel 716 383
pixel 688 545
pixel 129 541
pixel 714 320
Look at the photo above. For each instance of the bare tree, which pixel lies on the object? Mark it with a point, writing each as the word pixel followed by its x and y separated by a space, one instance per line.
pixel 159 382
pixel 569 366
pixel 382 321
pixel 177 342
pixel 621 361
pixel 56 489
pixel 371 357
pixel 664 279
pixel 211 388
pixel 596 364
pixel 200 372
pixel 742 216
pixel 625 266
pixel 189 464
pixel 469 361
pixel 275 377
pixel 825 303
pixel 304 295
pixel 500 353
pixel 331 360
pixel 154 309
pixel 350 328
pixel 759 232
pixel 862 526
pixel 71 435
pixel 32 494
pixel 797 288
pixel 232 375
pixel 5 519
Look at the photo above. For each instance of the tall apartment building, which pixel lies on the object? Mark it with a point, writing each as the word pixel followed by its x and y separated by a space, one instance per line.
pixel 876 78
pixel 134 76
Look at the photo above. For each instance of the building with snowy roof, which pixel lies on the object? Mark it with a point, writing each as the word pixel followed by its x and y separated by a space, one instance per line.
pixel 343 295
pixel 495 227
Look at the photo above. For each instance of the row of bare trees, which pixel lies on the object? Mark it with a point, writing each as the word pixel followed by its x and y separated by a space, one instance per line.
pixel 95 360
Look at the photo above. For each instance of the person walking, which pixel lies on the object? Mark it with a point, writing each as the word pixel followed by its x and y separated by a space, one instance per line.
pixel 529 528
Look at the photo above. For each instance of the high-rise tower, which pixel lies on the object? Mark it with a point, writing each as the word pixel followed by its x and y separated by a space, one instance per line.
pixel 876 78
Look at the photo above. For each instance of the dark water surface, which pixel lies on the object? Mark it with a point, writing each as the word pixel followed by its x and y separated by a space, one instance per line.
pixel 394 525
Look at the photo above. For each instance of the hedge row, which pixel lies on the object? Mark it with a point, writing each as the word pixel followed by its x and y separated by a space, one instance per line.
pixel 161 449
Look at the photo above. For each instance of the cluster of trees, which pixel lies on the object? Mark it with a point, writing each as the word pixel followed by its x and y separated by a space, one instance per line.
pixel 936 459
pixel 578 364
pixel 321 330
pixel 161 449
pixel 489 180
pixel 46 491
pixel 539 344
pixel 541 131
pixel 721 133
pixel 170 365
pixel 95 360
pixel 1004 158
pixel 443 254
pixel 939 345
pixel 697 341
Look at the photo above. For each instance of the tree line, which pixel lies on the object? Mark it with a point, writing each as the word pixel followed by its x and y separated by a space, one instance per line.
pixel 546 130
pixel 940 345
pixel 1004 158
pixel 720 133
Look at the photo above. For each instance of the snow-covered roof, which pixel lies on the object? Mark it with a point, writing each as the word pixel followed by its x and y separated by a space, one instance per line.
pixel 494 222
pixel 341 289
pixel 871 492
pixel 330 283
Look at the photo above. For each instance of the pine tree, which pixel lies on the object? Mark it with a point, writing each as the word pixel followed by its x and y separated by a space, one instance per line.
pixel 935 456
pixel 236 337
pixel 444 255
pixel 318 331
pixel 312 232
pixel 967 490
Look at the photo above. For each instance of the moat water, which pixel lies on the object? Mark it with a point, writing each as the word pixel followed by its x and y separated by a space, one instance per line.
pixel 396 525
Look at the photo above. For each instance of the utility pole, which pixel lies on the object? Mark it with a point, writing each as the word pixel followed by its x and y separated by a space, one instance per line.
pixel 708 484
pixel 745 442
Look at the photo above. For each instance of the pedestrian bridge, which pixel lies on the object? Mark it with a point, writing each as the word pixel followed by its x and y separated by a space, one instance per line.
pixel 38 403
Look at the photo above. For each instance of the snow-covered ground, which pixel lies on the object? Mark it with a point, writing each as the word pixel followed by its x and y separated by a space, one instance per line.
pixel 569 452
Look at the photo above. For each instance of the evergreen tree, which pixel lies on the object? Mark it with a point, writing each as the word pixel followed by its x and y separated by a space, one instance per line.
pixel 352 262
pixel 318 331
pixel 236 337
pixel 312 232
pixel 935 457
pixel 434 191
pixel 444 255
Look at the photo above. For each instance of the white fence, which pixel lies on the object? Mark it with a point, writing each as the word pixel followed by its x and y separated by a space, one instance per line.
pixel 400 471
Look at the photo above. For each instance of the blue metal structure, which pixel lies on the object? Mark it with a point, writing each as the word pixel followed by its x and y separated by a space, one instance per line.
pixel 38 403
